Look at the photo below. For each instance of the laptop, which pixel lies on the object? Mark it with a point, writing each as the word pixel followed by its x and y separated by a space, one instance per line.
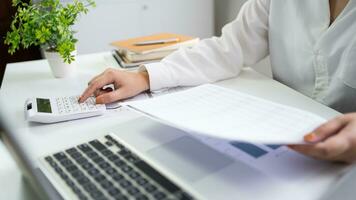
pixel 154 161
pixel 104 167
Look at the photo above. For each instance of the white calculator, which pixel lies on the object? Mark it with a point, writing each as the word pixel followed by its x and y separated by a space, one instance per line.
pixel 58 109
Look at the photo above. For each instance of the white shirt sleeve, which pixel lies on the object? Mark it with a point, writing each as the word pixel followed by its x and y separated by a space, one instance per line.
pixel 243 42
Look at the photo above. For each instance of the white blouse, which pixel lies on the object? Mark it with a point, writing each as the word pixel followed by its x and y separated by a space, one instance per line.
pixel 306 53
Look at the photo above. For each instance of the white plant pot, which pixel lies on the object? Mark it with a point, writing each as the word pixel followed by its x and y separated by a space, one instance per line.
pixel 59 68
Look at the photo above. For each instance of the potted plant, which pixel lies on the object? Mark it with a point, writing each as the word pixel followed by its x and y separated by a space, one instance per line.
pixel 48 23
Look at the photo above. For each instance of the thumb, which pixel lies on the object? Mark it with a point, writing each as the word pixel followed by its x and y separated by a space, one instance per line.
pixel 326 130
pixel 115 95
pixel 108 97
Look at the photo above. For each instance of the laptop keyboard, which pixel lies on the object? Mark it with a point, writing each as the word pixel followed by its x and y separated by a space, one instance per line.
pixel 106 169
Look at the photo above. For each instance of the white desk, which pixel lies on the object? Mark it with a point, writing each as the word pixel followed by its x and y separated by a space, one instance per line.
pixel 30 79
pixel 12 184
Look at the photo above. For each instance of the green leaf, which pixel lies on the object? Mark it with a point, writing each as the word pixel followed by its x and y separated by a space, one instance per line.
pixel 48 23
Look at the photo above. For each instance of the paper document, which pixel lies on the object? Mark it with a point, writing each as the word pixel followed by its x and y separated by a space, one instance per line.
pixel 145 95
pixel 219 112
pixel 277 161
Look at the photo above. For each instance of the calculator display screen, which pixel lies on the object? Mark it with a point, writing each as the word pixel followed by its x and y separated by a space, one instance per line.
pixel 44 105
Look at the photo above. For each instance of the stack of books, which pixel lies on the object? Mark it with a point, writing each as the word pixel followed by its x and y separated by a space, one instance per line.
pixel 137 51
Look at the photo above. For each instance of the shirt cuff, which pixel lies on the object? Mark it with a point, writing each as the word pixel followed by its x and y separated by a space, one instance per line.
pixel 159 76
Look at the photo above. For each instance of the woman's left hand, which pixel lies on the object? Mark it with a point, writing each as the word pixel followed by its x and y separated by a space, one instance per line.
pixel 333 141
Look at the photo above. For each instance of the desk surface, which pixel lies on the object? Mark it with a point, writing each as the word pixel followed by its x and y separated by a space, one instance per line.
pixel 31 79
pixel 12 184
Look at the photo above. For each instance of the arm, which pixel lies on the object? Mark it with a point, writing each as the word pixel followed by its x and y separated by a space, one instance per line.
pixel 243 42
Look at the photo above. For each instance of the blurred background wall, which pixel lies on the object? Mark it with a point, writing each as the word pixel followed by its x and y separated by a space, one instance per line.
pixel 226 11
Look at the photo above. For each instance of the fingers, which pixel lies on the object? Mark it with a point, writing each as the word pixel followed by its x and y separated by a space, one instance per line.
pixel 334 148
pixel 125 85
pixel 95 85
pixel 102 91
pixel 331 149
pixel 326 130
pixel 336 141
pixel 110 97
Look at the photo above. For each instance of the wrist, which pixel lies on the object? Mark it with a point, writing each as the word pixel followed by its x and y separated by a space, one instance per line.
pixel 146 79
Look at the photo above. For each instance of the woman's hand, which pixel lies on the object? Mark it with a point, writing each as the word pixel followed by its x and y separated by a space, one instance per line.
pixel 333 141
pixel 126 84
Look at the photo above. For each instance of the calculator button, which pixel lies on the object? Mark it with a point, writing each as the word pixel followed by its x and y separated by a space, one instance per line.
pixel 70 105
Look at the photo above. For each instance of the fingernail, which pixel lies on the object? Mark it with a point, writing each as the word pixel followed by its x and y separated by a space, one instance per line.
pixel 311 137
